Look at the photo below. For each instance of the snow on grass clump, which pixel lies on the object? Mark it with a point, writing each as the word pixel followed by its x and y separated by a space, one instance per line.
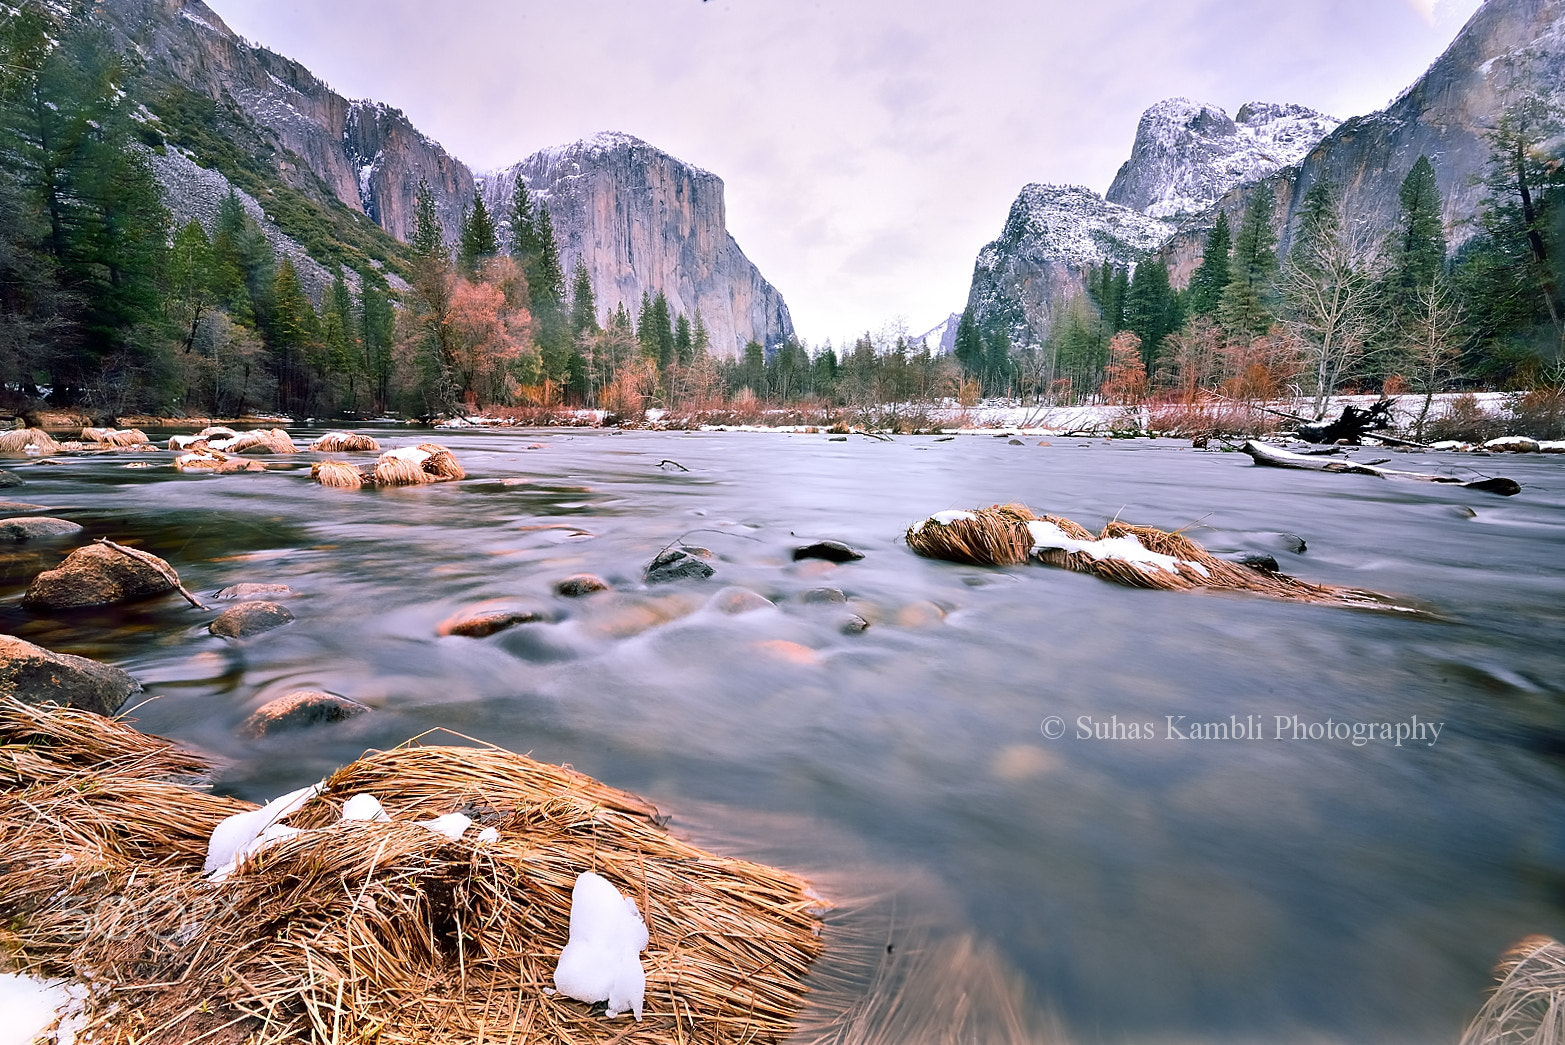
pixel 602 960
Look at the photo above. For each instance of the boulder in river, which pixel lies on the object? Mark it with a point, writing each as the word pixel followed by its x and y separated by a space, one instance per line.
pixel 35 527
pixel 579 584
pixel 830 551
pixel 97 575
pixel 736 600
pixel 35 675
pixel 676 564
pixel 249 618
pixel 10 479
pixel 481 621
pixel 301 708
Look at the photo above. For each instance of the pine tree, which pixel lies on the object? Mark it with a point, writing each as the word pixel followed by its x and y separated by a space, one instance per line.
pixel 479 241
pixel 1151 310
pixel 969 345
pixel 1320 218
pixel 429 239
pixel 376 320
pixel 684 341
pixel 1211 278
pixel 1246 305
pixel 584 308
pixel 190 291
pixel 524 231
pixel 663 331
pixel 1420 248
pixel 289 335
pixel 700 339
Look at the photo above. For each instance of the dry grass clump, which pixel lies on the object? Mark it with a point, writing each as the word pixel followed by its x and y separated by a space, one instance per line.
pixel 374 932
pixel 411 466
pixel 1528 1005
pixel 343 442
pixel 338 474
pixel 28 441
pixel 111 437
pixel 998 536
pixel 262 441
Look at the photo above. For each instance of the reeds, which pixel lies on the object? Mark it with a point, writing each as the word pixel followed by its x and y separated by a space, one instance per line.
pixel 1528 1005
pixel 999 536
pixel 343 442
pixel 28 441
pixel 374 932
pixel 338 474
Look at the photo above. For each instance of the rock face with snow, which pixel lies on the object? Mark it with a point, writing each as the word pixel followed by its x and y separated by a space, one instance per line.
pixel 1508 48
pixel 365 155
pixel 644 221
pixel 1040 261
pixel 1188 154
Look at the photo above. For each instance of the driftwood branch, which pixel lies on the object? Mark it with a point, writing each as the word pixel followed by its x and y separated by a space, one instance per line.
pixel 156 563
pixel 1378 436
pixel 1276 457
pixel 676 464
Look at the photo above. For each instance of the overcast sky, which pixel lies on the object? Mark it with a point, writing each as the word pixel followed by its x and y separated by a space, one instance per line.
pixel 869 147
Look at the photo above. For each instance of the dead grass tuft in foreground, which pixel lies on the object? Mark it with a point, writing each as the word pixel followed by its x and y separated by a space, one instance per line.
pixel 372 932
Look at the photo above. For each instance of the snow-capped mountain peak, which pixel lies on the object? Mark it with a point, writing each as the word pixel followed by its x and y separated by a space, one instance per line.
pixel 1187 154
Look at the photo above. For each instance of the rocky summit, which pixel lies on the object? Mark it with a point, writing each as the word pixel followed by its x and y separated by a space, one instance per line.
pixel 643 221
pixel 1188 154
pixel 1040 260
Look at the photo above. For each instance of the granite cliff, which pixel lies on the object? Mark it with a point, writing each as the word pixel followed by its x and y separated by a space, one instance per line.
pixel 644 221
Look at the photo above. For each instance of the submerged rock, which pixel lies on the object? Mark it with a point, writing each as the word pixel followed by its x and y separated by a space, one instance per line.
pixel 97 575
pixel 34 527
pixel 825 595
pixel 831 551
pixel 676 564
pixel 854 625
pixel 577 585
pixel 1259 561
pixel 737 600
pixel 10 479
pixel 301 708
pixel 35 675
pixel 249 618
pixel 481 622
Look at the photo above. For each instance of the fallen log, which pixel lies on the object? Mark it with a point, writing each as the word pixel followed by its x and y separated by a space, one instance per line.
pixel 1276 457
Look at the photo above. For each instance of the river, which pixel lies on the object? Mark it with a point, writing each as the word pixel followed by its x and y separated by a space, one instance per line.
pixel 1278 885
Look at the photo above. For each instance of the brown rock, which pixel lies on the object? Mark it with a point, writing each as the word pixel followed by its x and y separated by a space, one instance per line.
pixel 35 675
pixel 249 618
pixel 252 591
pixel 739 600
pixel 97 575
pixel 34 527
pixel 477 625
pixel 304 707
pixel 825 595
pixel 577 585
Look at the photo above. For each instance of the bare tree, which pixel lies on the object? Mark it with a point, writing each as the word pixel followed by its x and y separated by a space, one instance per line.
pixel 1329 288
pixel 1431 343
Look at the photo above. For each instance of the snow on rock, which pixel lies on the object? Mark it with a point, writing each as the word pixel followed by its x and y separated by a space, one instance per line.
pixel 1052 234
pixel 1187 154
pixel 602 960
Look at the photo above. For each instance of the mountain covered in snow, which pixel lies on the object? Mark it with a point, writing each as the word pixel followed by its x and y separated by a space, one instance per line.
pixel 1187 154
pixel 1039 262
pixel 644 221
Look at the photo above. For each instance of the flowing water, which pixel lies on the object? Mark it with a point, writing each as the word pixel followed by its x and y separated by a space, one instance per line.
pixel 1110 888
